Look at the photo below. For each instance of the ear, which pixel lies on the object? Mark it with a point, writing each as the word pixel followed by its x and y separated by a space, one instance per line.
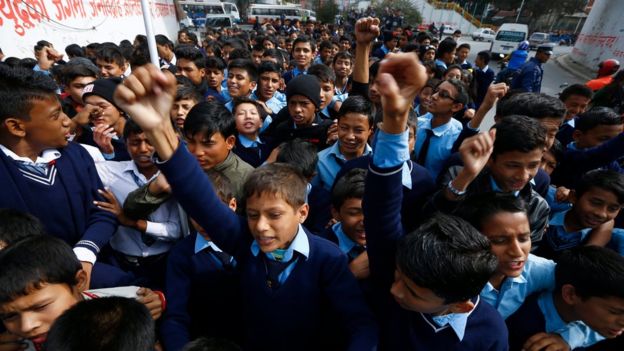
pixel 202 72
pixel 252 85
pixel 15 127
pixel 576 135
pixel 457 107
pixel 83 283
pixel 303 212
pixel 335 213
pixel 230 142
pixel 572 197
pixel 568 294
pixel 462 307
pixel 232 204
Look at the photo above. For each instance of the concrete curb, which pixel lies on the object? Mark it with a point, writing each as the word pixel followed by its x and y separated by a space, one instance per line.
pixel 582 72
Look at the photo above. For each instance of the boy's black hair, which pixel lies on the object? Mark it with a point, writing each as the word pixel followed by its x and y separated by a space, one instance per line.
pixel 593 271
pixel 107 323
pixel 125 47
pixel 268 66
pixel 246 65
pixel 462 92
pixel 235 43
pixel 372 71
pixel 349 186
pixel 595 117
pixel 453 66
pixel 140 56
pixel 276 54
pixel 19 87
pixel 221 185
pixel 184 81
pixel 478 208
pixel 111 54
pixel 305 39
pixel 246 100
pixel 411 47
pixel 131 128
pixel 211 344
pixel 422 36
pixel 325 44
pixel 209 118
pixel 557 150
pixel 323 72
pixel 576 89
pixel 258 48
pixel 188 93
pixel 74 50
pixel 301 154
pixel 604 179
pixel 70 72
pixel 447 256
pixel 464 45
pixel 191 53
pixel 214 62
pixel 42 44
pixel 215 47
pixel 28 62
pixel 357 104
pixel 534 105
pixel 16 225
pixel 447 45
pixel 193 37
pixel 32 262
pixel 277 179
pixel 164 41
pixel 343 55
pixel 239 54
pixel 485 56
pixel 518 133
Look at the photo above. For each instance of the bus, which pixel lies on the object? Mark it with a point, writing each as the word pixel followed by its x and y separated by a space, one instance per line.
pixel 267 12
pixel 198 10
pixel 308 15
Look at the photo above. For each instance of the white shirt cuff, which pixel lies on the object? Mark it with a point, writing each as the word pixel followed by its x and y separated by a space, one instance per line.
pixel 85 255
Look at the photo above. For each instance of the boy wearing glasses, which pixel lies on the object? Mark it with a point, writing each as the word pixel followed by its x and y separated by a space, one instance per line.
pixel 438 130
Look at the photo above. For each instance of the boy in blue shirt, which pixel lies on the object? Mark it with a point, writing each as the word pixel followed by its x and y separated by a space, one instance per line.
pixel 436 304
pixel 355 125
pixel 576 99
pixel 250 146
pixel 589 295
pixel 289 278
pixel 241 80
pixel 327 77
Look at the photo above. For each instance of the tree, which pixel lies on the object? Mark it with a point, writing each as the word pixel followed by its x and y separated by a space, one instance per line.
pixel 326 11
pixel 540 6
pixel 411 16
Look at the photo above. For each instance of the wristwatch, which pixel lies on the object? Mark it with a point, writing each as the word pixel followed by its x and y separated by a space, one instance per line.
pixel 454 191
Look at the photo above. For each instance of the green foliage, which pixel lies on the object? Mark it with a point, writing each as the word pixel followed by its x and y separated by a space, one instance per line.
pixel 411 15
pixel 326 11
pixel 541 7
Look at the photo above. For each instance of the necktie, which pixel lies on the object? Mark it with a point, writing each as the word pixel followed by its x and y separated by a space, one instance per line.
pixel 225 259
pixel 422 155
pixel 275 268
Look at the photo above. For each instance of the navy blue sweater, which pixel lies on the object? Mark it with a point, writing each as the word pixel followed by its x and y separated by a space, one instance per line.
pixel 202 297
pixel 482 81
pixel 78 221
pixel 402 329
pixel 527 321
pixel 255 156
pixel 290 317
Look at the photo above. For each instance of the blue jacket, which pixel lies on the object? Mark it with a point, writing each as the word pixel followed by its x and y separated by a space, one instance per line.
pixel 289 318
pixel 530 77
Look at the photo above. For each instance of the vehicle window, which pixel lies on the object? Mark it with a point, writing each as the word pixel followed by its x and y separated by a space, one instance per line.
pixel 506 35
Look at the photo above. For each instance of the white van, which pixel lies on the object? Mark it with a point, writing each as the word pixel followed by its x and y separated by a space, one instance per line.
pixel 232 10
pixel 508 36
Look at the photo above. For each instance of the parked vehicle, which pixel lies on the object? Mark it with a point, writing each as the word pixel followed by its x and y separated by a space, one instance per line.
pixel 538 38
pixel 218 22
pixel 448 29
pixel 483 34
pixel 508 36
pixel 232 10
pixel 268 12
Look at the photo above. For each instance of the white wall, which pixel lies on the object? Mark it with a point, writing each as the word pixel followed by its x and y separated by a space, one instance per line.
pixel 63 22
pixel 602 36
pixel 450 17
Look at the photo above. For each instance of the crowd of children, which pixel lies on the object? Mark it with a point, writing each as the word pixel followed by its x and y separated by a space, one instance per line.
pixel 297 188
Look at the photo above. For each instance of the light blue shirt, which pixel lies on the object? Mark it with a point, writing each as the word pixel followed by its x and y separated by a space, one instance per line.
pixel 329 164
pixel 230 105
pixel 276 103
pixel 576 333
pixel 246 142
pixel 225 92
pixel 538 274
pixel 300 244
pixel 456 321
pixel 497 189
pixel 391 152
pixel 202 244
pixel 441 143
pixel 440 63
pixel 559 238
pixel 344 242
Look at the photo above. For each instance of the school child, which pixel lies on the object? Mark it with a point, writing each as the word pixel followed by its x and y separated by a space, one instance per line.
pixel 215 68
pixel 106 122
pixel 327 77
pixel 186 98
pixel 343 67
pixel 596 201
pixel 241 80
pixel 597 143
pixel 48 274
pixel 303 51
pixel 16 225
pixel 576 99
pixel 435 306
pixel 355 126
pixel 111 62
pixel 424 97
pixel 109 323
pixel 191 63
pixel 505 163
pixel 44 174
pixel 201 283
pixel 557 197
pixel 250 146
pixel 75 75
pixel 445 55
pixel 325 53
pixel 462 53
pixel 389 43
pixel 276 254
pixel 303 96
pixel 267 93
pixel 588 295
pixel 483 77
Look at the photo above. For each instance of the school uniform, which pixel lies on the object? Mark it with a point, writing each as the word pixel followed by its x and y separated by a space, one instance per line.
pixel 433 145
pixel 564 135
pixel 557 238
pixel 537 275
pixel 482 328
pixel 319 201
pixel 202 294
pixel 253 152
pixel 316 133
pixel 538 314
pixel 289 75
pixel 283 310
pixel 329 163
pixel 482 78
pixel 120 151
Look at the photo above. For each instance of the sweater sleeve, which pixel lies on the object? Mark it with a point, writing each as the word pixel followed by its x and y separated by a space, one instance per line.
pixel 176 322
pixel 596 157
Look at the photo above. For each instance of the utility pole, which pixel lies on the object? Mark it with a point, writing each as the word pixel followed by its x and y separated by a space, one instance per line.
pixel 520 12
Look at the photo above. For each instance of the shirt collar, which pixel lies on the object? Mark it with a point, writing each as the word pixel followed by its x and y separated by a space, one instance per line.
pixel 132 168
pixel 201 244
pixel 335 150
pixel 46 156
pixel 246 142
pixel 300 244
pixel 558 218
pixel 344 242
pixel 497 189
pixel 439 130
pixel 485 68
pixel 457 321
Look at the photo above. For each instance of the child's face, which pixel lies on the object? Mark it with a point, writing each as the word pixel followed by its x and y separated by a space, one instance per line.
pixel 462 54
pixel 327 94
pixel 603 314
pixel 140 150
pixel 32 315
pixel 353 133
pixel 179 110
pixel 575 104
pixel 210 151
pixel 411 141
pixel 256 55
pixel 302 110
pixel 106 113
pixel 514 169
pixel 272 221
pixel 479 62
pixel 248 121
pixel 549 162
pixel 510 237
pixel 303 54
pixel 453 73
pixel 597 135
pixel 326 54
pixel 188 69
pixel 444 105
pixel 268 44
pixel 335 49
pixel 48 126
pixel 425 97
pixel 415 298
pixel 75 87
pixel 342 67
pixel 551 124
pixel 345 45
pixel 215 77
pixel 110 69
pixel 268 85
pixel 352 218
pixel 239 83
pixel 595 207
pixel 429 55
